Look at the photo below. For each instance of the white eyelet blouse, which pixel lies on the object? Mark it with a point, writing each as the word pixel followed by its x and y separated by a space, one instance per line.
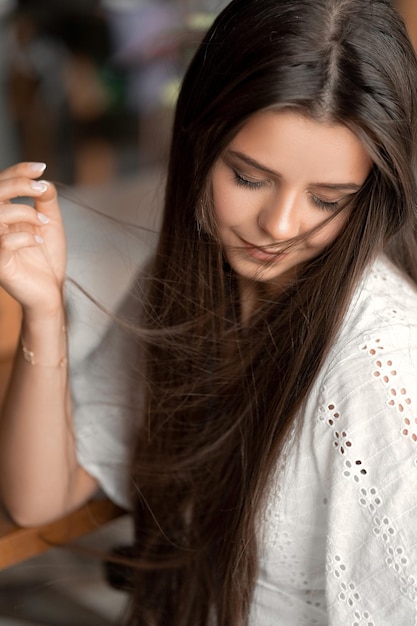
pixel 338 538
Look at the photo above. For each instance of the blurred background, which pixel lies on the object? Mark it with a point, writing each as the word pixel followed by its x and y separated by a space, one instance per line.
pixel 88 86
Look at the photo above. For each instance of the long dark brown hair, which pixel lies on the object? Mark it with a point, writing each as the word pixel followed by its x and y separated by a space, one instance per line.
pixel 222 397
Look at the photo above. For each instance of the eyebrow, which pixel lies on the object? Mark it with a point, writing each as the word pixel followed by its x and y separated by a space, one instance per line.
pixel 252 163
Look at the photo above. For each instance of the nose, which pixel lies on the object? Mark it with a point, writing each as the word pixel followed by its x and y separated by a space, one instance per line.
pixel 279 218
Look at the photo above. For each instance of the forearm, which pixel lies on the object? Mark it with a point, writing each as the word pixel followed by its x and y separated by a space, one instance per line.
pixel 39 475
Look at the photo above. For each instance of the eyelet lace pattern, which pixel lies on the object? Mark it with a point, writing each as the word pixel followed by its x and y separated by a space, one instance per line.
pixel 340 525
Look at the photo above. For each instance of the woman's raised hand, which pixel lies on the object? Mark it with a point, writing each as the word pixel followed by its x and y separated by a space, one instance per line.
pixel 32 241
pixel 40 479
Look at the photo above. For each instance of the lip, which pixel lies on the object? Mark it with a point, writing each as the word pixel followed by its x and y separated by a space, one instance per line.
pixel 262 255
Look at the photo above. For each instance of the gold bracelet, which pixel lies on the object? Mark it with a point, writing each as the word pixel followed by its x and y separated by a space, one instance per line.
pixel 30 358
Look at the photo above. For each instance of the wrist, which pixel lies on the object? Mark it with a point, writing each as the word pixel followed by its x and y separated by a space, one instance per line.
pixel 33 358
pixel 44 316
pixel 43 341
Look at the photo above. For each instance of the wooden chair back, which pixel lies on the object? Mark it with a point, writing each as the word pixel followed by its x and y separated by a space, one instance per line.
pixel 19 544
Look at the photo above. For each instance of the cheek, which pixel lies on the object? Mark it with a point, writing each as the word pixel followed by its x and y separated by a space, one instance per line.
pixel 221 208
pixel 228 205
pixel 329 232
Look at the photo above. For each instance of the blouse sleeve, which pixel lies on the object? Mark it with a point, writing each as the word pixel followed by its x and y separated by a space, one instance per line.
pixel 107 405
pixel 366 450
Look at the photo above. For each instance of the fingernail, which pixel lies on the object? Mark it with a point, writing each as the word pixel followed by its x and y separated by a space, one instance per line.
pixel 39 185
pixel 43 218
pixel 38 239
pixel 38 167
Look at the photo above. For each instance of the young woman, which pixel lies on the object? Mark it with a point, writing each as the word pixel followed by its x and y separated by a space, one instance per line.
pixel 256 403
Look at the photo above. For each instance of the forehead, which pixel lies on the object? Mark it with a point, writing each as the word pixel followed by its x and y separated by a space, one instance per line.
pixel 296 146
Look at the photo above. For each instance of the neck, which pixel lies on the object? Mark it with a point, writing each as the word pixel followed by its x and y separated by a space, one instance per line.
pixel 248 299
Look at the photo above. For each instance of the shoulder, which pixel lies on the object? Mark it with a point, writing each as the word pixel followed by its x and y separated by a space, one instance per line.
pixel 365 397
pixel 381 318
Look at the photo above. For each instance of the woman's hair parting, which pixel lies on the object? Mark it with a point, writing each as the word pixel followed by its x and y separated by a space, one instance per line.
pixel 222 398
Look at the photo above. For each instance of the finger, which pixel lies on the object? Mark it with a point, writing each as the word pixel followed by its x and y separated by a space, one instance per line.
pixel 20 187
pixel 12 242
pixel 29 169
pixel 47 203
pixel 12 214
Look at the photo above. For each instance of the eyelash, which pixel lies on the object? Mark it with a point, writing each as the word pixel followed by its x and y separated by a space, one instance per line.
pixel 244 182
pixel 241 181
pixel 326 206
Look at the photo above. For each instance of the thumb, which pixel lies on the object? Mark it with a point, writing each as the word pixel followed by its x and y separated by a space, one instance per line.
pixel 48 203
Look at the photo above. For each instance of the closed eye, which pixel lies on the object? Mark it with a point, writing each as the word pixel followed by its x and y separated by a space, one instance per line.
pixel 332 205
pixel 326 206
pixel 241 181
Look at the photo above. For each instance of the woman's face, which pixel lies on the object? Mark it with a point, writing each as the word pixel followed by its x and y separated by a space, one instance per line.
pixel 281 176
